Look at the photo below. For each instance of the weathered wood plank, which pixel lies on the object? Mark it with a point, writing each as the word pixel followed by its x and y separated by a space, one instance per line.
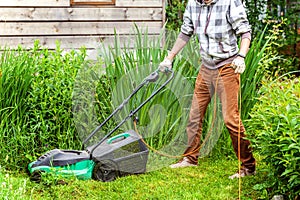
pixel 164 4
pixel 93 2
pixel 80 14
pixel 74 28
pixel 56 3
pixel 35 3
pixel 70 42
pixel 140 3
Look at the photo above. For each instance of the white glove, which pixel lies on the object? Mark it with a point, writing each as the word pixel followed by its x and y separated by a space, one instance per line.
pixel 239 65
pixel 165 65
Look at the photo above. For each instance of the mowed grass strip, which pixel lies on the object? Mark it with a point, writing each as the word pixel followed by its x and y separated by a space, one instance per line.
pixel 207 181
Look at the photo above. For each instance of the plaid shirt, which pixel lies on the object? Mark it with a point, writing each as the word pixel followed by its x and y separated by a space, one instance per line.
pixel 217 26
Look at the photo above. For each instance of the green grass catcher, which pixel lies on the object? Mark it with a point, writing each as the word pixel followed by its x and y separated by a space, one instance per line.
pixel 109 158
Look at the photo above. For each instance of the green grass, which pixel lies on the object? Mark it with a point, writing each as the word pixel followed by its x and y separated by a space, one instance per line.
pixel 207 181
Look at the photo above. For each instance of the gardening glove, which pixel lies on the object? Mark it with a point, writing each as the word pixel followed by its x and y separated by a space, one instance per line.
pixel 165 65
pixel 239 65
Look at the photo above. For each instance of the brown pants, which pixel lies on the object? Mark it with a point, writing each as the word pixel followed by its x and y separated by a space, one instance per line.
pixel 225 83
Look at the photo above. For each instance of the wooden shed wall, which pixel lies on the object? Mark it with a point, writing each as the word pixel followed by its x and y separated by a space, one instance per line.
pixel 76 23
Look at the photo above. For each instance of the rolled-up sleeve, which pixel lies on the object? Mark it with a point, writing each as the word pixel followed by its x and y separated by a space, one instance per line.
pixel 238 18
pixel 246 35
pixel 187 27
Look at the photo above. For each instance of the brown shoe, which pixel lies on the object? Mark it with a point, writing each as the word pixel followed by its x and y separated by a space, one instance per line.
pixel 243 172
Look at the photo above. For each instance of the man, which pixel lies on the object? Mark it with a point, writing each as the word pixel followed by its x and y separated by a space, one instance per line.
pixel 218 24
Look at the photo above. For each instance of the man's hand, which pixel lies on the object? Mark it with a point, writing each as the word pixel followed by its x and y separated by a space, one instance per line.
pixel 239 65
pixel 165 65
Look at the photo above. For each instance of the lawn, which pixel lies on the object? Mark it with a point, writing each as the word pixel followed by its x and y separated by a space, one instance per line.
pixel 207 181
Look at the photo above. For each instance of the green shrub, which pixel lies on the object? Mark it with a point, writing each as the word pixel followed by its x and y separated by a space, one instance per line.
pixel 275 133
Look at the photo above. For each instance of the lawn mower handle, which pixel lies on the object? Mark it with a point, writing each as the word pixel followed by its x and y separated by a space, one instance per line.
pixel 151 78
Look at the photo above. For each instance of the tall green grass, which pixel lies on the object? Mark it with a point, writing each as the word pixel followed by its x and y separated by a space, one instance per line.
pixel 12 187
pixel 15 82
pixel 36 104
pixel 258 57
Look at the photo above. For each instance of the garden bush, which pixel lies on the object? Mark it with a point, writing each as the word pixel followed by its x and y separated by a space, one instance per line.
pixel 274 130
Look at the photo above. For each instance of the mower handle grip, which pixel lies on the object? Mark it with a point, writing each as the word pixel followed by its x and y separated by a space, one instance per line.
pixel 154 76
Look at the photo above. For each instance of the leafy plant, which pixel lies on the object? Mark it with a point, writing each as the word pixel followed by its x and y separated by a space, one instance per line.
pixel 275 134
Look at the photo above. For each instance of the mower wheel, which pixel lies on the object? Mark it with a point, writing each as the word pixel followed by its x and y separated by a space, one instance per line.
pixel 105 170
pixel 36 176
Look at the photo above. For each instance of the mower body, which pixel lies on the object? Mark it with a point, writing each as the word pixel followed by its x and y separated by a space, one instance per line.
pixel 63 162
pixel 119 155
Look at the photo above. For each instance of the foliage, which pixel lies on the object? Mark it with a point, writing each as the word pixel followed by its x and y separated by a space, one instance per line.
pixel 174 13
pixel 279 47
pixel 256 11
pixel 41 120
pixel 35 103
pixel 284 15
pixel 275 132
pixel 259 56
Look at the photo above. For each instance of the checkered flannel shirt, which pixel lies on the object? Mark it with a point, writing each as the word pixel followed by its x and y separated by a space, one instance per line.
pixel 217 26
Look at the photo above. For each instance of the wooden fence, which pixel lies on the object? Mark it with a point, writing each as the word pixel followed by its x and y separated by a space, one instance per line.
pixel 76 23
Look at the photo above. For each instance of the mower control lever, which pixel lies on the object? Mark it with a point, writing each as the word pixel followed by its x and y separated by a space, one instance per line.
pixel 118 138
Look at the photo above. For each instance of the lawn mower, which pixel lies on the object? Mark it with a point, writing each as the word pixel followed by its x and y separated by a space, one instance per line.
pixel 109 158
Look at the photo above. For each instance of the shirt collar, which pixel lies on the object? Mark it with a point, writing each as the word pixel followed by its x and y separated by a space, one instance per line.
pixel 201 2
